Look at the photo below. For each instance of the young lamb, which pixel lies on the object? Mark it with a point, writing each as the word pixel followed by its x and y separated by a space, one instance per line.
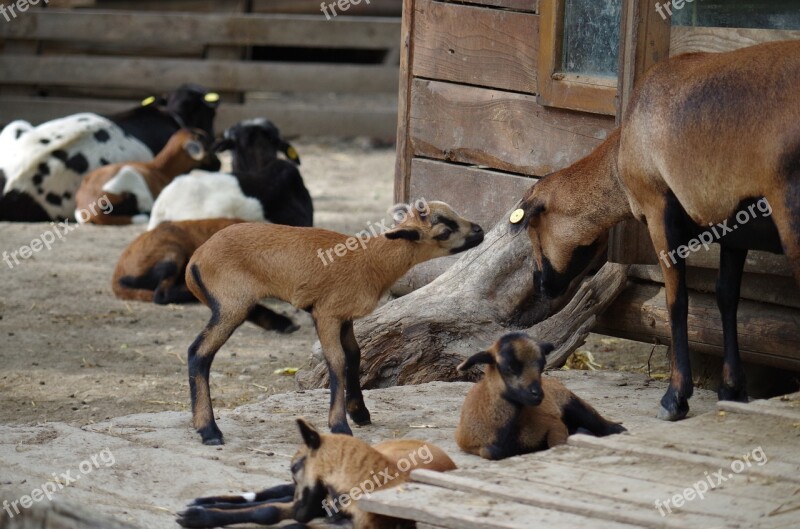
pixel 513 410
pixel 325 469
pixel 242 264
pixel 261 177
pixel 204 195
pixel 132 186
pixel 45 168
pixel 153 266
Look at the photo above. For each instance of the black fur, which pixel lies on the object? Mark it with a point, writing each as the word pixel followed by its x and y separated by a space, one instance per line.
pixel 555 284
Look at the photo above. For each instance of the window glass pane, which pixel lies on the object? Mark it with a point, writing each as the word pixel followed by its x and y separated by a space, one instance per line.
pixel 591 37
pixel 767 14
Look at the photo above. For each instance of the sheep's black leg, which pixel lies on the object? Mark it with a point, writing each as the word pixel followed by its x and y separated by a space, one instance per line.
pixel 731 266
pixel 275 494
pixel 668 232
pixel 578 415
pixel 329 331
pixel 270 514
pixel 355 400
pixel 173 294
pixel 269 320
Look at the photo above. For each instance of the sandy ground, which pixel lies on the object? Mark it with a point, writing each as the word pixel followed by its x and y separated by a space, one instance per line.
pixel 81 369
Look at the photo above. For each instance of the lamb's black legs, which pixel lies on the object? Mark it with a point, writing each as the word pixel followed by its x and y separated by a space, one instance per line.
pixel 355 400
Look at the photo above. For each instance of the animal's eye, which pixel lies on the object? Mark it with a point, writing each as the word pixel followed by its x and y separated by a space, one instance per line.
pixel 444 235
pixel 297 466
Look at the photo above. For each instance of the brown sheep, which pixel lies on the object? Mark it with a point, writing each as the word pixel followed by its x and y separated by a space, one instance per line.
pixel 707 152
pixel 242 264
pixel 131 187
pixel 513 410
pixel 330 474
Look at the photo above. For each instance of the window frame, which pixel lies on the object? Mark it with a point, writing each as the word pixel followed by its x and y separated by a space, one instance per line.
pixel 594 94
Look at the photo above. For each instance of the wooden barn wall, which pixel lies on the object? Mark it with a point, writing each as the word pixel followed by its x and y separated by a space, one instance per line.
pixel 113 54
pixel 470 129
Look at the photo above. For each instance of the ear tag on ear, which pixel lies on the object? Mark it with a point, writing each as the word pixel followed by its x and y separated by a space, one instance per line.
pixel 211 97
pixel 148 101
pixel 291 153
pixel 517 216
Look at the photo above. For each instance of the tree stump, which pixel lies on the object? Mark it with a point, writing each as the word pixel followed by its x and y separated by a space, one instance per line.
pixel 489 291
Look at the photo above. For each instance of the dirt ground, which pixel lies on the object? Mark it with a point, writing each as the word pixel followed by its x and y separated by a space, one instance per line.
pixel 72 352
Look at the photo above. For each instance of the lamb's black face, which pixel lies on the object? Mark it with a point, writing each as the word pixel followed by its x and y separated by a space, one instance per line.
pixel 255 143
pixel 195 106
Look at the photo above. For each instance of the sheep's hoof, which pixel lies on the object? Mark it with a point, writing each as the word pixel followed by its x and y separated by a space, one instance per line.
pixel 195 517
pixel 211 435
pixel 342 428
pixel 737 394
pixel 289 329
pixel 360 416
pixel 673 406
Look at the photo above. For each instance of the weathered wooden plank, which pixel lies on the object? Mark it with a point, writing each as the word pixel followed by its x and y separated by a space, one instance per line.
pixel 402 167
pixel 213 28
pixel 312 7
pixel 475 45
pixel 779 290
pixel 458 510
pixel 164 74
pixel 293 118
pixel 584 504
pixel 497 129
pixel 768 334
pixel 687 39
pixel 458 185
pixel 587 483
pixel 630 444
pixel 531 6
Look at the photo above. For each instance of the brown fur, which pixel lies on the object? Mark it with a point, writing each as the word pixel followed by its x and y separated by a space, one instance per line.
pixel 514 410
pixel 169 242
pixel 172 161
pixel 243 264
pixel 326 467
pixel 703 133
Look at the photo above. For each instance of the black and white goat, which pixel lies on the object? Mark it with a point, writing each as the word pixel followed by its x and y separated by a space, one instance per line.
pixel 44 165
pixel 263 178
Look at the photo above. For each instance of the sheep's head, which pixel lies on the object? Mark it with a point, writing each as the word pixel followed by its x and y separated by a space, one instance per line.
pixel 196 145
pixel 436 225
pixel 191 105
pixel 254 144
pixel 514 363
pixel 309 467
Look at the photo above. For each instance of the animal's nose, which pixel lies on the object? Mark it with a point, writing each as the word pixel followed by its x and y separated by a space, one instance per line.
pixel 476 229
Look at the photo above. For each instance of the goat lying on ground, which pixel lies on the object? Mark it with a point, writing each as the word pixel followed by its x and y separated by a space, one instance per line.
pixel 513 410
pixel 47 163
pixel 153 266
pixel 330 473
pixel 261 179
pixel 132 186
pixel 242 264
pixel 686 157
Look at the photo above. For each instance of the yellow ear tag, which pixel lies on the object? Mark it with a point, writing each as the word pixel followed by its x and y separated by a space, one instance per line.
pixel 211 97
pixel 148 101
pixel 291 153
pixel 517 216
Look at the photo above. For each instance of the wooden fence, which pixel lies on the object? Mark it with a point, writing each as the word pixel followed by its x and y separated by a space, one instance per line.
pixel 60 61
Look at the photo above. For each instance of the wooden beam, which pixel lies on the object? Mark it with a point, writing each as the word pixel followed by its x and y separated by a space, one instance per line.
pixel 687 39
pixel 309 31
pixel 476 45
pixel 502 130
pixel 531 6
pixel 352 118
pixel 768 334
pixel 402 168
pixel 155 75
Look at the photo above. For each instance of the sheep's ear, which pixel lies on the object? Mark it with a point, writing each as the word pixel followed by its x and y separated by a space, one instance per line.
pixel 311 436
pixel 403 233
pixel 222 144
pixel 290 151
pixel 527 213
pixel 212 99
pixel 546 348
pixel 399 212
pixel 195 150
pixel 484 357
pixel 154 100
